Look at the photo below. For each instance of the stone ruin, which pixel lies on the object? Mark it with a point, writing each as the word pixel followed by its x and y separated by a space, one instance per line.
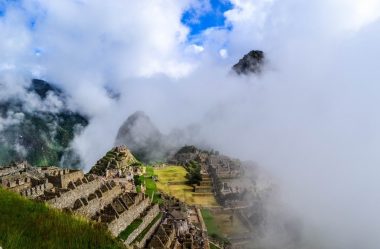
pixel 182 226
pixel 118 162
pixel 215 170
pixel 91 196
pixel 224 166
pixel 24 179
pixel 110 202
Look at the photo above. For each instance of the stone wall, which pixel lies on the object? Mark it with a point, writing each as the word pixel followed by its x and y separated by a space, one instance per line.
pixel 36 191
pixel 147 219
pixel 64 177
pixel 14 180
pixel 16 185
pixel 67 199
pixel 142 243
pixel 9 170
pixel 96 201
pixel 118 225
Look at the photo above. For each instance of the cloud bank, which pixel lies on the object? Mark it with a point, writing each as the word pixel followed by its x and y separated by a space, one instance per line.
pixel 311 118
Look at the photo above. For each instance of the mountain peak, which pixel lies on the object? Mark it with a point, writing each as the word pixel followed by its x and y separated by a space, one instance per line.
pixel 42 88
pixel 250 63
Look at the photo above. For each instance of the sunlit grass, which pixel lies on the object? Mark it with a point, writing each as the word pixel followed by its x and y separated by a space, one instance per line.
pixel 28 224
pixel 172 181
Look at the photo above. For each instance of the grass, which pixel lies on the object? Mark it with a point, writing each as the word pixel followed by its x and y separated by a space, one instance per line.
pixel 132 227
pixel 150 185
pixel 146 230
pixel 172 180
pixel 28 224
pixel 212 227
pixel 149 171
pixel 223 224
pixel 212 246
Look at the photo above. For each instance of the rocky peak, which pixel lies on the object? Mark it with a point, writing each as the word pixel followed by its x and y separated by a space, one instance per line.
pixel 142 137
pixel 41 88
pixel 250 63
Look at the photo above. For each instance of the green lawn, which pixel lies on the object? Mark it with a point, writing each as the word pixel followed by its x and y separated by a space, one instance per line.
pixel 209 220
pixel 149 171
pixel 28 224
pixel 150 184
pixel 132 227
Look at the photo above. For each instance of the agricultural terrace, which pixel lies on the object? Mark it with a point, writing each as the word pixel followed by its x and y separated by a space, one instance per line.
pixel 172 181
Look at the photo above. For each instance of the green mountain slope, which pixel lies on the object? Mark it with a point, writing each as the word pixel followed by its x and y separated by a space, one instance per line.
pixel 28 224
pixel 38 127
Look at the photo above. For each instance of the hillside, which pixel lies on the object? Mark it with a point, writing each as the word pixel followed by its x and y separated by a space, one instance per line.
pixel 28 224
pixel 36 125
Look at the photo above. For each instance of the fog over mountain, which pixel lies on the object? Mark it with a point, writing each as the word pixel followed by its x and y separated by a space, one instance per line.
pixel 37 126
pixel 310 118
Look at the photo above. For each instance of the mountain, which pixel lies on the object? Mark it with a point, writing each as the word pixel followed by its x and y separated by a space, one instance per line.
pixel 38 127
pixel 148 144
pixel 143 138
pixel 251 63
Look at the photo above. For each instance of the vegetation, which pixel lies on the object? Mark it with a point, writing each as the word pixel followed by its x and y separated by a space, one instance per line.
pixel 45 136
pixel 172 181
pixel 193 172
pixel 211 225
pixel 137 180
pixel 224 223
pixel 28 224
pixel 144 232
pixel 213 229
pixel 149 183
pixel 220 239
pixel 212 246
pixel 132 227
pixel 149 171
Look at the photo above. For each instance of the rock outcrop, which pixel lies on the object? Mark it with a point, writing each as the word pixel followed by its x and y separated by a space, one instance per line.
pixel 251 63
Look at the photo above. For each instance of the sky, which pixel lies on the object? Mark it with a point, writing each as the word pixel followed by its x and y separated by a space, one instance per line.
pixel 311 118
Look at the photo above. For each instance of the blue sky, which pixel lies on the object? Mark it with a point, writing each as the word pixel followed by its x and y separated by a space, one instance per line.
pixel 4 4
pixel 214 17
pixel 197 21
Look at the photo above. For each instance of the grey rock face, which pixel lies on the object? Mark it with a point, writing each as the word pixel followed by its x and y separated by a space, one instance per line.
pixel 251 63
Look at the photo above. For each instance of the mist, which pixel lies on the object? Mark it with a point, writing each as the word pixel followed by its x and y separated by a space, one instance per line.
pixel 311 118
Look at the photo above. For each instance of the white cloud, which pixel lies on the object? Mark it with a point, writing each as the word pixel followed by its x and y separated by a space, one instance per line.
pixel 223 53
pixel 197 48
pixel 311 118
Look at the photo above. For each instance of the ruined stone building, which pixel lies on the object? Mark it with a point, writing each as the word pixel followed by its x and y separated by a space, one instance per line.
pixel 225 167
pixel 118 162
pixel 108 195
pixel 97 198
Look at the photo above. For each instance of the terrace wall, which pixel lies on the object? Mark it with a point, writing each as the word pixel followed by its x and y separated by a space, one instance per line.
pixel 127 217
pixel 67 199
pixel 147 219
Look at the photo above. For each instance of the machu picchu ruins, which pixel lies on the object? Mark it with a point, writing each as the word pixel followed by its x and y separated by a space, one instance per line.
pixel 117 193
pixel 108 195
